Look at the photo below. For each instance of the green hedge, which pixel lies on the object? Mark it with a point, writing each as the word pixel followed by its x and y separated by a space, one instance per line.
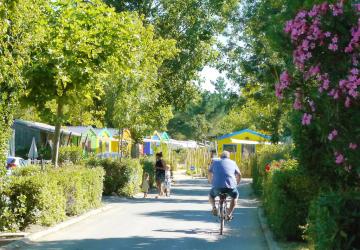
pixel 70 154
pixel 287 194
pixel 334 221
pixel 48 197
pixel 265 155
pixel 121 177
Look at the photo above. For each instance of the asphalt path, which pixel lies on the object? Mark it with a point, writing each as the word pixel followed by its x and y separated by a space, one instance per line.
pixel 182 221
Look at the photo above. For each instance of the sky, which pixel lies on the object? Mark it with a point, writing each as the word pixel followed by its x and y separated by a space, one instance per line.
pixel 209 74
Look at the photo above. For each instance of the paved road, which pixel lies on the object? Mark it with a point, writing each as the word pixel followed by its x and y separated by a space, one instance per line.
pixel 182 221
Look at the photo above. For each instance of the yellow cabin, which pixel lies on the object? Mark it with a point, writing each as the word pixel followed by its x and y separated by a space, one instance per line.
pixel 126 141
pixel 241 144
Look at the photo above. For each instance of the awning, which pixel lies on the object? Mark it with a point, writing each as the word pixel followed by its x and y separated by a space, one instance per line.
pixel 236 141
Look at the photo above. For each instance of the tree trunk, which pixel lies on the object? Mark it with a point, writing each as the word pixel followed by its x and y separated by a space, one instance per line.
pixel 59 114
pixel 121 144
pixel 134 150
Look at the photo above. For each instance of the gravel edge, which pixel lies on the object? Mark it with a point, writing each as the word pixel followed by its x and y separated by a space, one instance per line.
pixel 272 245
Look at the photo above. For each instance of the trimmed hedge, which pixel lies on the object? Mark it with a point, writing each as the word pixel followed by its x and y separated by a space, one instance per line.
pixel 265 155
pixel 287 194
pixel 334 221
pixel 121 177
pixel 48 197
pixel 70 154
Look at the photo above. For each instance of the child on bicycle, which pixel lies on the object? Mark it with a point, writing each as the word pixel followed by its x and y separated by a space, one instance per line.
pixel 167 180
pixel 145 185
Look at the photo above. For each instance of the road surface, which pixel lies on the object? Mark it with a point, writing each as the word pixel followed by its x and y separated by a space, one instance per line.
pixel 182 221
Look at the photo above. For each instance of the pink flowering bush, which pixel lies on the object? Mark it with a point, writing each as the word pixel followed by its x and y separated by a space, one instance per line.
pixel 323 83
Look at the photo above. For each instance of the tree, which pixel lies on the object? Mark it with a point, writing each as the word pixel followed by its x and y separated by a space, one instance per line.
pixel 194 25
pixel 83 39
pixel 131 96
pixel 254 53
pixel 20 33
pixel 202 118
pixel 325 95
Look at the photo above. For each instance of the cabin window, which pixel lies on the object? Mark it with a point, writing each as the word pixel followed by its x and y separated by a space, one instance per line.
pixel 230 148
pixel 247 150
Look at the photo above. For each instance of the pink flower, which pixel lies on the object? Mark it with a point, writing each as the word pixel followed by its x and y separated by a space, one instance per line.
pixel 349 49
pixel 306 119
pixel 324 7
pixel 357 7
pixel 347 102
pixel 326 83
pixel 327 34
pixel 333 47
pixel 339 158
pixel 354 71
pixel 314 70
pixel 312 106
pixel 283 84
pixel 337 9
pixel 353 146
pixel 332 135
pixel 297 105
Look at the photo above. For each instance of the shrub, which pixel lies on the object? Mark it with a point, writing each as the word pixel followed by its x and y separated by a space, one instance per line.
pixel 47 197
pixel 246 167
pixel 70 154
pixel 82 188
pixel 264 156
pixel 27 171
pixel 334 220
pixel 288 192
pixel 122 177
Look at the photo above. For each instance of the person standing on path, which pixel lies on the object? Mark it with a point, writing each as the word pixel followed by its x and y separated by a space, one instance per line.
pixel 145 185
pixel 224 176
pixel 160 167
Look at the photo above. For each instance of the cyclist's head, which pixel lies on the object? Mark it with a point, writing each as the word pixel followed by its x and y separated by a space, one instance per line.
pixel 159 155
pixel 225 154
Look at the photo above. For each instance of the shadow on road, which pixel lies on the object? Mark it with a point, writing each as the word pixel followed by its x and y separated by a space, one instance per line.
pixel 184 243
pixel 241 233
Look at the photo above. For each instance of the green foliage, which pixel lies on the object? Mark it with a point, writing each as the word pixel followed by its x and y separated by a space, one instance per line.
pixel 44 152
pixel 245 167
pixel 317 150
pixel 47 197
pixel 27 171
pixel 265 155
pixel 124 107
pixel 194 25
pixel 202 118
pixel 121 177
pixel 288 192
pixel 70 154
pixel 334 220
pixel 148 167
pixel 19 34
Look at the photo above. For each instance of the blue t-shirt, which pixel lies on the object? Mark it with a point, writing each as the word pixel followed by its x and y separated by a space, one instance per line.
pixel 224 171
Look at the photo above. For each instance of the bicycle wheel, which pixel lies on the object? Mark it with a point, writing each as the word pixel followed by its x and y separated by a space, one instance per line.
pixel 222 218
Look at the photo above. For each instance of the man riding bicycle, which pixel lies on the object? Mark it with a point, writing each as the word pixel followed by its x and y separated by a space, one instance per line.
pixel 224 175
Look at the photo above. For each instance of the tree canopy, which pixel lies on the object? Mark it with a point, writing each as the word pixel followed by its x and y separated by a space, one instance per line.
pixel 85 42
pixel 19 34
pixel 194 25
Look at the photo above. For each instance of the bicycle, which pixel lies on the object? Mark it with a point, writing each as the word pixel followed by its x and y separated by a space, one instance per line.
pixel 222 211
